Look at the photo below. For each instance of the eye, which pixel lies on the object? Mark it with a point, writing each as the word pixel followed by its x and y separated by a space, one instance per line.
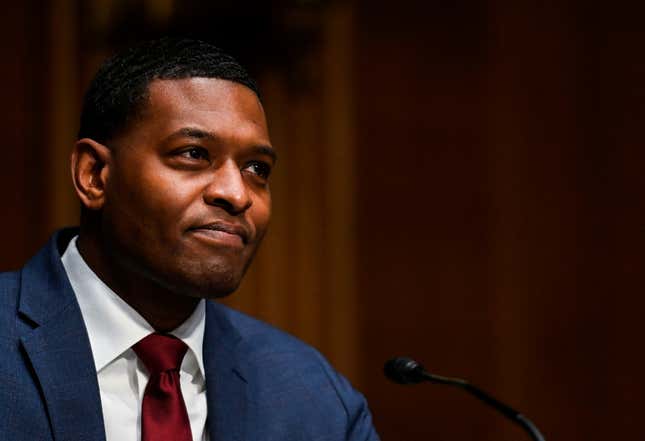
pixel 262 169
pixel 195 153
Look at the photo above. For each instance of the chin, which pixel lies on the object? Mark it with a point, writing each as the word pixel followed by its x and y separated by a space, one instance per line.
pixel 216 289
pixel 212 282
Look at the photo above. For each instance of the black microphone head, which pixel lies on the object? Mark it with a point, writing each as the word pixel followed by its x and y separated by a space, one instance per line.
pixel 404 370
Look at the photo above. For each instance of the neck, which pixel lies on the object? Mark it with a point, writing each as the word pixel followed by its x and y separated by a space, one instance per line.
pixel 164 309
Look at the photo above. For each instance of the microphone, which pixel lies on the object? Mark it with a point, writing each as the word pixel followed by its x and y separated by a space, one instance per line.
pixel 403 370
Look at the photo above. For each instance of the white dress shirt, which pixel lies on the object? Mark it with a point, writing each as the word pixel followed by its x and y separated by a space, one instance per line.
pixel 113 327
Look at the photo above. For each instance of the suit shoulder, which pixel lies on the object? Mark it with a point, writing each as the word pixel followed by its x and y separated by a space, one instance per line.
pixel 9 288
pixel 9 284
pixel 275 354
pixel 299 382
pixel 261 336
pixel 9 279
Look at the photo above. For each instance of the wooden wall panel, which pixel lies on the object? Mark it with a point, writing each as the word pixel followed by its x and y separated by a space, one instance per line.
pixel 64 92
pixel 423 213
pixel 24 150
pixel 501 213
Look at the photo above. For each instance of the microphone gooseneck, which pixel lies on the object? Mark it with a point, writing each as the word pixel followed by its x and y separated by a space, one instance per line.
pixel 403 370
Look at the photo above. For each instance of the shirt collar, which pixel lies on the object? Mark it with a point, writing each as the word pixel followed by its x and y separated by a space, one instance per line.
pixel 112 325
pixel 191 332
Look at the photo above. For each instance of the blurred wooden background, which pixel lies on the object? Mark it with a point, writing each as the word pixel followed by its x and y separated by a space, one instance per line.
pixel 460 182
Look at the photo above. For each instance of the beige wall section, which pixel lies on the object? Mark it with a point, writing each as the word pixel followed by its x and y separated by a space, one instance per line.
pixel 342 337
pixel 303 279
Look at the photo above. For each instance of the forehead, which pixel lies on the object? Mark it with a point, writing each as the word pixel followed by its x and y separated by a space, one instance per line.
pixel 212 104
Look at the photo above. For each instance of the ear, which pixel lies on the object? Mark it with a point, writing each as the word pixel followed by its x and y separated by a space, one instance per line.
pixel 90 163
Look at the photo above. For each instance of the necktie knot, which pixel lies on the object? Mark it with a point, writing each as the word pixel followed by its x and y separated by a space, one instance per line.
pixel 160 352
pixel 163 411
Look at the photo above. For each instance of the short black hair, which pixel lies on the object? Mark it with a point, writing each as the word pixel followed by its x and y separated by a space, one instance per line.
pixel 120 86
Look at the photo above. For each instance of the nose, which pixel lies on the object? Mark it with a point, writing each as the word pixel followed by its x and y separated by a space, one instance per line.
pixel 228 190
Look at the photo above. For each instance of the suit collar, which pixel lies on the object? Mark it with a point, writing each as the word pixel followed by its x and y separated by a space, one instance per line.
pixel 226 384
pixel 58 348
pixel 45 290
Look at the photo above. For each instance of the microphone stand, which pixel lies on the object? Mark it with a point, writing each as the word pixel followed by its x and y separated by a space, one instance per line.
pixel 404 370
pixel 507 411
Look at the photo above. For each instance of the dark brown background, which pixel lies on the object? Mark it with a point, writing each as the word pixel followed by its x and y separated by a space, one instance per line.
pixel 462 183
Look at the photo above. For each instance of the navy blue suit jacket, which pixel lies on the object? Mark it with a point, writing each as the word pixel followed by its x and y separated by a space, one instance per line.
pixel 262 384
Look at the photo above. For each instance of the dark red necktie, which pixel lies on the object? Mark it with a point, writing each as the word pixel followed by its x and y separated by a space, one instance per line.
pixel 163 414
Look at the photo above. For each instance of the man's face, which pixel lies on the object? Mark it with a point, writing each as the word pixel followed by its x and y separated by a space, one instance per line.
pixel 187 198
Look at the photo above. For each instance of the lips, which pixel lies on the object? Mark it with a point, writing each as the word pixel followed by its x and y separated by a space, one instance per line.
pixel 223 232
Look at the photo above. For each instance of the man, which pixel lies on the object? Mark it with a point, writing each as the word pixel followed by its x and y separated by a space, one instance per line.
pixel 108 333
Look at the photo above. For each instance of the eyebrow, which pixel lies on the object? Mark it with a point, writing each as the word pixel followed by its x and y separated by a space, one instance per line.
pixel 266 150
pixel 193 132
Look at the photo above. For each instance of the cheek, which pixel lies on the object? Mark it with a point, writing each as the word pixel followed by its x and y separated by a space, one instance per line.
pixel 148 201
pixel 260 214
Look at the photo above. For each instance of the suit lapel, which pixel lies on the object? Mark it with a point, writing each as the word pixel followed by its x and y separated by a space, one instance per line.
pixel 59 348
pixel 226 386
pixel 59 351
